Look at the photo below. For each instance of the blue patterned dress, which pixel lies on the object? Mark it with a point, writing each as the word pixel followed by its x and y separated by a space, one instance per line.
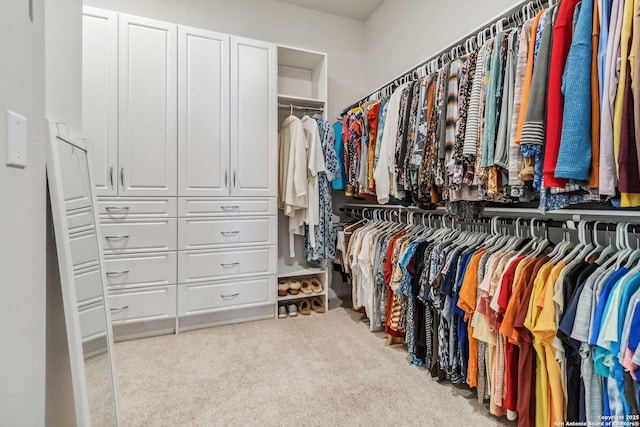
pixel 325 236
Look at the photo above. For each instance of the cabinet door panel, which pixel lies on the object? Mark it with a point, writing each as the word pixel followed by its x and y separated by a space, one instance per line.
pixel 148 107
pixel 100 95
pixel 203 111
pixel 254 147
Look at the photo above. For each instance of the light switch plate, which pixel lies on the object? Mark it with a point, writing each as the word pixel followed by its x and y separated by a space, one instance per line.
pixel 16 140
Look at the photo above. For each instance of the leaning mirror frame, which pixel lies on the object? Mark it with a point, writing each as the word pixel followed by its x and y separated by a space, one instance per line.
pixel 56 179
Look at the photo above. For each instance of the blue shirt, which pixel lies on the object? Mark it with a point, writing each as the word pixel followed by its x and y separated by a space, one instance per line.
pixel 602 303
pixel 338 183
pixel 602 44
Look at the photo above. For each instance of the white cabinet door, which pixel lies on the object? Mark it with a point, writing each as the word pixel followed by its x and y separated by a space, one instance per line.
pixel 254 158
pixel 203 113
pixel 100 95
pixel 148 107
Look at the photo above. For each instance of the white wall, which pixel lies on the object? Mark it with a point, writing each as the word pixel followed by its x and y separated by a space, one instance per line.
pixel 63 35
pixel 402 33
pixel 275 22
pixel 22 218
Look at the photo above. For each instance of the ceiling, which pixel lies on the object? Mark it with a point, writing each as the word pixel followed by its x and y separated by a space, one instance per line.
pixel 360 10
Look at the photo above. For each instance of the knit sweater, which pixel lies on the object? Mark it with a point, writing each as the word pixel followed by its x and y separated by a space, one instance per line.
pixel 574 156
pixel 555 100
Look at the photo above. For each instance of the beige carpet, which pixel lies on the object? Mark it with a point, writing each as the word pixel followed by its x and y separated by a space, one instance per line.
pixel 317 370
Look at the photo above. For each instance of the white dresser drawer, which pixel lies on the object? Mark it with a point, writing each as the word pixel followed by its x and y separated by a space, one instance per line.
pixel 93 321
pixel 196 233
pixel 227 208
pixel 139 236
pixel 89 285
pixel 120 209
pixel 199 298
pixel 199 266
pixel 133 271
pixel 143 304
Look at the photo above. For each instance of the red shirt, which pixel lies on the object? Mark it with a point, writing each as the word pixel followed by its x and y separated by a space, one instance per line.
pixel 562 34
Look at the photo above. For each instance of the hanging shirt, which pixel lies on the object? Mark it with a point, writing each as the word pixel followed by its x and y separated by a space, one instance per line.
pixel 562 36
pixel 384 173
pixel 608 168
pixel 574 156
pixel 339 182
pixel 315 165
pixel 293 183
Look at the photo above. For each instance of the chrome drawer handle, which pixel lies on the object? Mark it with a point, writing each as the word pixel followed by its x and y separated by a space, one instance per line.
pixel 117 273
pixel 229 233
pixel 230 264
pixel 117 208
pixel 229 208
pixel 124 307
pixel 116 237
pixel 229 296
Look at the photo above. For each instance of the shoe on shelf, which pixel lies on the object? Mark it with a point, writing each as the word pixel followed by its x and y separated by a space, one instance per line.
pixel 294 287
pixel 304 307
pixel 283 289
pixel 317 305
pixel 316 286
pixel 282 312
pixel 292 310
pixel 306 287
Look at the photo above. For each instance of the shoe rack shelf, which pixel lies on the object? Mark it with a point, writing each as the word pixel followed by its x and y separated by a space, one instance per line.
pixel 305 274
pixel 302 296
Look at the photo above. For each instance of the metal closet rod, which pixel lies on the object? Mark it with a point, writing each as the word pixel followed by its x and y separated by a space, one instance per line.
pixel 548 223
pixel 513 16
pixel 300 107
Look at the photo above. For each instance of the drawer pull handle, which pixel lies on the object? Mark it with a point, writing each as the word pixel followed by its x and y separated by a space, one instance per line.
pixel 116 237
pixel 117 208
pixel 117 273
pixel 230 208
pixel 230 264
pixel 124 307
pixel 229 296
pixel 229 233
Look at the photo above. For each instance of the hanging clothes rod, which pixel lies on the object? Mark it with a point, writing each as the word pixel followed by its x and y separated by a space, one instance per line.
pixel 514 16
pixel 362 212
pixel 300 107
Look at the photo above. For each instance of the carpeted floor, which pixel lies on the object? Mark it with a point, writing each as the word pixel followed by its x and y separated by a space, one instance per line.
pixel 317 370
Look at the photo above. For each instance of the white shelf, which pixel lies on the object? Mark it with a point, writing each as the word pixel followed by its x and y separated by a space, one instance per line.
pixel 302 296
pixel 297 270
pixel 298 100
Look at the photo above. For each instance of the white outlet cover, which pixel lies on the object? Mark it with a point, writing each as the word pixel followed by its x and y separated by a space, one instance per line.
pixel 16 139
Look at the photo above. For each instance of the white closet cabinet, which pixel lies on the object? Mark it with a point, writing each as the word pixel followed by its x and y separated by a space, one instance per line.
pixel 147 150
pixel 203 111
pixel 184 129
pixel 227 115
pixel 100 95
pixel 130 103
pixel 254 148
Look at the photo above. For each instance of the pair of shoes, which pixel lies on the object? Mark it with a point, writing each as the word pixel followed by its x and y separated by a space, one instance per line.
pixel 311 286
pixel 287 311
pixel 306 305
pixel 317 305
pixel 288 287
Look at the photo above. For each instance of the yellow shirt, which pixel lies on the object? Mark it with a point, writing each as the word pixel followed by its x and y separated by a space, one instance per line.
pixel 545 331
pixel 543 415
